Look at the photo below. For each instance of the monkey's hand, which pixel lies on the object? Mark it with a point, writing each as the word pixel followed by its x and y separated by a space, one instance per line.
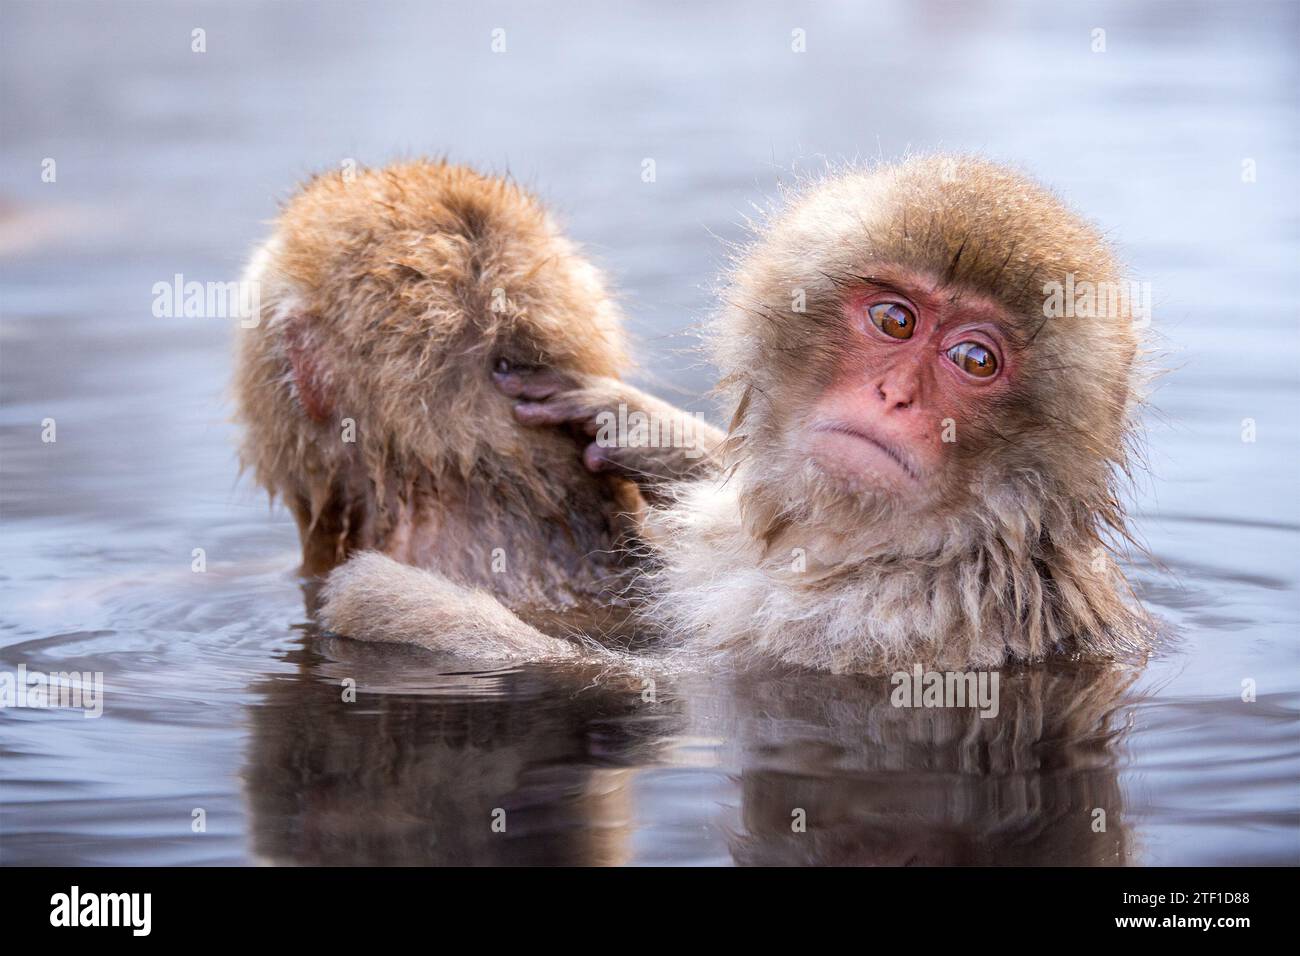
pixel 624 430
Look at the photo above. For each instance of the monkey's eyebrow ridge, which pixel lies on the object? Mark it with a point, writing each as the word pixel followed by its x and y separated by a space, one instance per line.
pixel 884 285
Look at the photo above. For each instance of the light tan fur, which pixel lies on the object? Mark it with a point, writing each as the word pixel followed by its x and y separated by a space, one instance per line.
pixel 1017 563
pixel 382 599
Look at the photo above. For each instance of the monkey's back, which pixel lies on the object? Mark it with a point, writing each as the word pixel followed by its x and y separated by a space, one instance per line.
pixel 366 394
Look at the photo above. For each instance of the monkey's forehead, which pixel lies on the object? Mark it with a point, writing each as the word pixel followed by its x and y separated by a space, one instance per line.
pixel 974 223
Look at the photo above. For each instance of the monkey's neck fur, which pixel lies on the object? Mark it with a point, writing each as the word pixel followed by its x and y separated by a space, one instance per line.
pixel 745 570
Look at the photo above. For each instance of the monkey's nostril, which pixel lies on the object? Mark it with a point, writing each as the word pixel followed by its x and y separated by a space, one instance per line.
pixel 503 366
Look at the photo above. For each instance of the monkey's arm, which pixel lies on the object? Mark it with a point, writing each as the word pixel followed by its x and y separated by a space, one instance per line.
pixel 374 598
pixel 625 430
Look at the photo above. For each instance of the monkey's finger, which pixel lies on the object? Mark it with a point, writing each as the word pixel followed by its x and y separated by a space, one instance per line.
pixel 625 461
pixel 577 407
pixel 519 382
pixel 598 459
pixel 546 413
pixel 517 386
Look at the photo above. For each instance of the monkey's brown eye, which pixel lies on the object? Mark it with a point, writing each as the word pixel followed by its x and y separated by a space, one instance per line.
pixel 974 359
pixel 892 319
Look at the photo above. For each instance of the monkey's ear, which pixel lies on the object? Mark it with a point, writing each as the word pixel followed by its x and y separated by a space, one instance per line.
pixel 309 369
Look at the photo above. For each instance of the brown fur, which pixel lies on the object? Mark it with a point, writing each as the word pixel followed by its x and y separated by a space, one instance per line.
pixel 1012 562
pixel 386 300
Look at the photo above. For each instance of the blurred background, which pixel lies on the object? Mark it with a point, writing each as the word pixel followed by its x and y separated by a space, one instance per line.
pixel 1172 124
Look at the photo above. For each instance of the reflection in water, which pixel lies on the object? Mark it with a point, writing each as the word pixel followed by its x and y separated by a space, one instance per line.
pixel 400 778
pixel 417 769
pixel 896 786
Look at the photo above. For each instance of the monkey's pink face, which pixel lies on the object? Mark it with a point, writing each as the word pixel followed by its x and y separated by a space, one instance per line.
pixel 922 369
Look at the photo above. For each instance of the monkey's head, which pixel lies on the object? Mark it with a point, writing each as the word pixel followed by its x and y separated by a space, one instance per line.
pixel 387 297
pixel 909 382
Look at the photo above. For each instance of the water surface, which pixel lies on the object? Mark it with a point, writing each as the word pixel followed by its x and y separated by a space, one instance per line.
pixel 220 696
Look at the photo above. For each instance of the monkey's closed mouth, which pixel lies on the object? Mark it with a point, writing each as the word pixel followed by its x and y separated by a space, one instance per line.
pixel 839 428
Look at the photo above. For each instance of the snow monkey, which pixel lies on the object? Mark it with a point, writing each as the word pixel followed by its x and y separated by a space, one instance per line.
pixel 366 391
pixel 922 461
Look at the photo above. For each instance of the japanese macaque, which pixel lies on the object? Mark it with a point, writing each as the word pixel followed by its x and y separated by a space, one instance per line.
pixel 921 465
pixel 366 391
